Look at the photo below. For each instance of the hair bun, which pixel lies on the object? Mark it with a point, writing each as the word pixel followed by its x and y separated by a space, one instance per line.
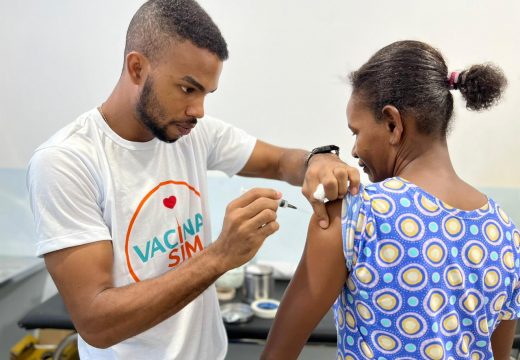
pixel 481 86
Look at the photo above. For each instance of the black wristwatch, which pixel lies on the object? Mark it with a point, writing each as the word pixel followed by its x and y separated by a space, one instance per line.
pixel 332 149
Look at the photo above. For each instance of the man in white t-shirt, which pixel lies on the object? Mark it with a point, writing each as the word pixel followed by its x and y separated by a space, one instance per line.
pixel 120 196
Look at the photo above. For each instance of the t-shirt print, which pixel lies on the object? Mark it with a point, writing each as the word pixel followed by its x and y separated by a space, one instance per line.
pixel 174 210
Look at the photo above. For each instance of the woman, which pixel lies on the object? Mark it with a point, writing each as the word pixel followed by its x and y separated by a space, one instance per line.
pixel 420 264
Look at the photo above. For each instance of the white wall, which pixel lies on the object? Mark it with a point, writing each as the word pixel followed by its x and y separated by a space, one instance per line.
pixel 283 82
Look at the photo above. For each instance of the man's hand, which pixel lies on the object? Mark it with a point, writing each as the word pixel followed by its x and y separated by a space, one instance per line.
pixel 273 162
pixel 249 220
pixel 105 315
pixel 336 177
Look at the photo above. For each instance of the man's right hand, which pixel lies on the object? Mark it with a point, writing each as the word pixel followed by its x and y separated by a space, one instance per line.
pixel 104 314
pixel 249 220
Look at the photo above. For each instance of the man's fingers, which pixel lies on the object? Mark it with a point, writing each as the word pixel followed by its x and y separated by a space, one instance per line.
pixel 269 229
pixel 321 213
pixel 263 218
pixel 341 180
pixel 342 177
pixel 328 179
pixel 253 194
pixel 259 205
pixel 354 180
pixel 330 184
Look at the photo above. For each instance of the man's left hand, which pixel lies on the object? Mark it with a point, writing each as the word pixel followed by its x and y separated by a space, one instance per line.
pixel 336 177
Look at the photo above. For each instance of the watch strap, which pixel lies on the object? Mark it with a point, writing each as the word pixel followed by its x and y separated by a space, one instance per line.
pixel 327 149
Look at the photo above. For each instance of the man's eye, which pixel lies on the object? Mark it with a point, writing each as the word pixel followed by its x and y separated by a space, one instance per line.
pixel 187 90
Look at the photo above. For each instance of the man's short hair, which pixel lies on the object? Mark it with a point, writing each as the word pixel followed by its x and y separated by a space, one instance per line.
pixel 158 23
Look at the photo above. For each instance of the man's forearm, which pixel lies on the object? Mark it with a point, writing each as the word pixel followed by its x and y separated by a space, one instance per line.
pixel 273 162
pixel 116 314
pixel 292 166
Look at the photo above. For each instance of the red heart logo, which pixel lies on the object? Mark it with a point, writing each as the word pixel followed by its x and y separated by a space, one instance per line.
pixel 170 202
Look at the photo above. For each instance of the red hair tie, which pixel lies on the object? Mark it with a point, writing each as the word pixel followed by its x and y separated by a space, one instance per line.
pixel 453 80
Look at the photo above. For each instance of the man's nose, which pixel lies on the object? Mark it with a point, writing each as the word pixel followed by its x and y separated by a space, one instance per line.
pixel 196 109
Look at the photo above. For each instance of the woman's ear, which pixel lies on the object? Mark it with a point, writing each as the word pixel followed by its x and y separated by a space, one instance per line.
pixel 394 124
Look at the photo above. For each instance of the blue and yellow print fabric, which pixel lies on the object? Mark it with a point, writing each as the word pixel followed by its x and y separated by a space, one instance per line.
pixel 426 280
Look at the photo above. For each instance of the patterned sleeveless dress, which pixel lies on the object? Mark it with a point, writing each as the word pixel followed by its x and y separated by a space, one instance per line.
pixel 426 280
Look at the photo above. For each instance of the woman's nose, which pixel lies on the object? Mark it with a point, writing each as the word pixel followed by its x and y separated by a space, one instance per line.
pixel 354 152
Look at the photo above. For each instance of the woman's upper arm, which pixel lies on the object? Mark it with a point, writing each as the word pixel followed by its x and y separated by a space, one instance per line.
pixel 502 339
pixel 317 282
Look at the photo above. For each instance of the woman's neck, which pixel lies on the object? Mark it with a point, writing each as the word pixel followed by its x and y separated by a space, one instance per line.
pixel 429 166
pixel 424 159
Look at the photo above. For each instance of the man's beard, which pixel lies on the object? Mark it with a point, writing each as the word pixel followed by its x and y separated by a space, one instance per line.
pixel 149 112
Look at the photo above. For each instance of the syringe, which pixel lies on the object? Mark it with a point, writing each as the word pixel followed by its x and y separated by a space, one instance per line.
pixel 285 204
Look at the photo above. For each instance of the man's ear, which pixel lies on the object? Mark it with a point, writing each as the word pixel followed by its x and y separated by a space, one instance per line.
pixel 394 123
pixel 136 67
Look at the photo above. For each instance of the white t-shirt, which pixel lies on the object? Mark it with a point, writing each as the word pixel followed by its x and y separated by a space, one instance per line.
pixel 87 184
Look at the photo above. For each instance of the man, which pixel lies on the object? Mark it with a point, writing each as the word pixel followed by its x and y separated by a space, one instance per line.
pixel 120 196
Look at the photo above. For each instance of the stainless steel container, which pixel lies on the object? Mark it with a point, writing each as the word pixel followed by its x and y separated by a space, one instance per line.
pixel 233 313
pixel 258 282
